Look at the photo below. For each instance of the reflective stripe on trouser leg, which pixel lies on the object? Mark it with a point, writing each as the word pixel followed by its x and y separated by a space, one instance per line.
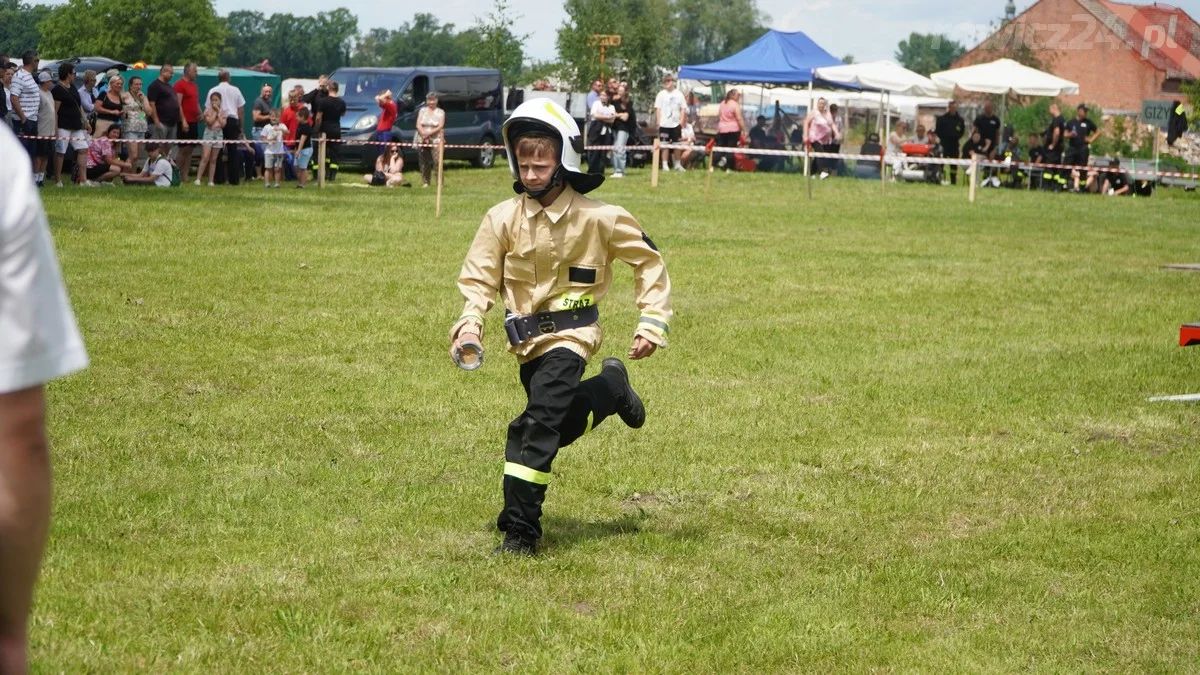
pixel 552 382
pixel 526 474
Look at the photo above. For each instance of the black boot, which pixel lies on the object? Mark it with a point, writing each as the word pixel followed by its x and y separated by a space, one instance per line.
pixel 629 404
pixel 516 545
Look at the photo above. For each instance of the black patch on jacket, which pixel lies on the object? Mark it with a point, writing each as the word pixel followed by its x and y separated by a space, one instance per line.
pixel 581 275
pixel 649 242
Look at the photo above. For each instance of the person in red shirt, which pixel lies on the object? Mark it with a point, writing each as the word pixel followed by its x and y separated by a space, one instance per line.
pixel 387 119
pixel 288 117
pixel 189 125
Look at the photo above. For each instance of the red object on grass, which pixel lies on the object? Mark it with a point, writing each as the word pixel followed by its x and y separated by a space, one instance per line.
pixel 1189 335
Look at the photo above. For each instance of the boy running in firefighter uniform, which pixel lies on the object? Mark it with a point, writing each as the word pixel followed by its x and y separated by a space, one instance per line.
pixel 548 252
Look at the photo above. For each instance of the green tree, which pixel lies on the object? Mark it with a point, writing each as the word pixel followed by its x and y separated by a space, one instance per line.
pixel 848 59
pixel 245 31
pixel 424 41
pixel 299 46
pixel 496 45
pixel 155 31
pixel 647 45
pixel 708 30
pixel 927 53
pixel 19 26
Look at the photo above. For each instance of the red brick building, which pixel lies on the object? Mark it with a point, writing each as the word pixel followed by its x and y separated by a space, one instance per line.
pixel 1119 53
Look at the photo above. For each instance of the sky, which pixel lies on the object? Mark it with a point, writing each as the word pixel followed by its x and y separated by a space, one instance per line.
pixel 867 29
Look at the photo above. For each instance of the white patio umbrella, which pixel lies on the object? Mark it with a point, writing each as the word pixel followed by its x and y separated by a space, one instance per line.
pixel 1004 76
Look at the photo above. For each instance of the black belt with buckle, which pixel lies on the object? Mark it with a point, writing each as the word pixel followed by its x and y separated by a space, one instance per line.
pixel 524 328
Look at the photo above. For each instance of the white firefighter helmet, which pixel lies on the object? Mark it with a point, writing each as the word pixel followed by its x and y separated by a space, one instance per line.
pixel 544 117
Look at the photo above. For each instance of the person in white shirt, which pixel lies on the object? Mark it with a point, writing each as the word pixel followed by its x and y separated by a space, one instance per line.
pixel 671 111
pixel 158 169
pixel 24 100
pixel 602 116
pixel 39 342
pixel 233 107
pixel 273 151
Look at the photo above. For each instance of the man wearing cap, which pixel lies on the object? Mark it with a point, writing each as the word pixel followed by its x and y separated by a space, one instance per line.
pixel 24 97
pixel 1080 132
pixel 549 252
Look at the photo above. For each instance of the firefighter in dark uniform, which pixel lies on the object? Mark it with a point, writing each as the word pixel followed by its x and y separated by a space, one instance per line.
pixel 1053 140
pixel 949 129
pixel 548 253
pixel 988 126
pixel 1080 132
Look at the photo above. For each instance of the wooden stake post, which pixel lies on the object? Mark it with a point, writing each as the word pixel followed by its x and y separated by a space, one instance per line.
pixel 654 164
pixel 321 162
pixel 441 161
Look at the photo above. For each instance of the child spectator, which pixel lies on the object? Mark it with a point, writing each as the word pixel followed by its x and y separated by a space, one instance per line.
pixel 387 119
pixel 214 132
pixel 103 166
pixel 304 150
pixel 272 137
pixel 158 169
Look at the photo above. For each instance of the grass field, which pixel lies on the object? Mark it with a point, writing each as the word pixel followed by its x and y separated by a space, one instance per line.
pixel 899 434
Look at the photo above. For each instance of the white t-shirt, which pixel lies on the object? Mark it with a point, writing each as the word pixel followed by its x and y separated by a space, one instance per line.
pixel 672 105
pixel 272 134
pixel 231 98
pixel 161 170
pixel 687 134
pixel 39 339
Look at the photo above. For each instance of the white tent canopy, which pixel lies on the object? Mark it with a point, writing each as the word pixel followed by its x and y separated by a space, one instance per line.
pixel 882 75
pixel 1003 77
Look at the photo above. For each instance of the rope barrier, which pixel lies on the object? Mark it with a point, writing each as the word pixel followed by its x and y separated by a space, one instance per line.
pixel 888 159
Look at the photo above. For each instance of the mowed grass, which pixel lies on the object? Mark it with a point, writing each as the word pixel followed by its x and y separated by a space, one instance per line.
pixel 891 433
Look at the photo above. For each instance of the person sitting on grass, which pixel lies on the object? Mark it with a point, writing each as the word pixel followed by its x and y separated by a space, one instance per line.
pixel 103 165
pixel 389 168
pixel 1116 182
pixel 158 169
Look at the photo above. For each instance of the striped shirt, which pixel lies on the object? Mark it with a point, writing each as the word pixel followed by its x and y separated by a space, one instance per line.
pixel 24 87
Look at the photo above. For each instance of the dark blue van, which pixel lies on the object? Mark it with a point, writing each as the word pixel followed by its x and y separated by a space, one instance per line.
pixel 473 99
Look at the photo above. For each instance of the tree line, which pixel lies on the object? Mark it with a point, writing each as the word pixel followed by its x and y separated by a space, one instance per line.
pixel 655 35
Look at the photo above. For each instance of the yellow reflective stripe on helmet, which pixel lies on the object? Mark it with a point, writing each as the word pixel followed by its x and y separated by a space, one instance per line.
pixel 553 110
pixel 526 474
pixel 1179 110
pixel 650 321
pixel 591 419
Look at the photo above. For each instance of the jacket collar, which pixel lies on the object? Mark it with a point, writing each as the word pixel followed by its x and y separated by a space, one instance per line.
pixel 556 210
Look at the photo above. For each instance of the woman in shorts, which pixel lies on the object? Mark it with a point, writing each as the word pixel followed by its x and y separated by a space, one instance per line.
pixel 214 125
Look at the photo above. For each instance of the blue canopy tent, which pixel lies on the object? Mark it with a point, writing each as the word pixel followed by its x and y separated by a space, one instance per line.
pixel 775 58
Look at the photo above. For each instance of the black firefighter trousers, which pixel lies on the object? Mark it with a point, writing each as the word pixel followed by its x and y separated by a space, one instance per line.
pixel 560 409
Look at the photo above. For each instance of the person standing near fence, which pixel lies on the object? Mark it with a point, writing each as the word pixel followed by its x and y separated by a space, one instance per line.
pixel 670 109
pixel 820 132
pixel 164 107
pixel 233 110
pixel 24 99
pixel 190 124
pixel 949 129
pixel 330 109
pixel 431 122
pixel 40 342
pixel 388 112
pixel 731 128
pixel 71 131
pixel 602 116
pixel 133 112
pixel 624 127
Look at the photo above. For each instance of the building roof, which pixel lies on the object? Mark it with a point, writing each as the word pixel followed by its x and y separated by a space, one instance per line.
pixel 1162 34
